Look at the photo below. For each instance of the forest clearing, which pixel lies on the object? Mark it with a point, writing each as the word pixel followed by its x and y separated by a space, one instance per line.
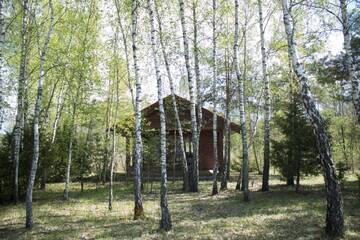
pixel 180 119
pixel 279 214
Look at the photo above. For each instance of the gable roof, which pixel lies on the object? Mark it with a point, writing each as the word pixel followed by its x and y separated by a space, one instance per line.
pixel 151 113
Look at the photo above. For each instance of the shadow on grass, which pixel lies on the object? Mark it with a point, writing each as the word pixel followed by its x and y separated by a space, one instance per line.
pixel 278 214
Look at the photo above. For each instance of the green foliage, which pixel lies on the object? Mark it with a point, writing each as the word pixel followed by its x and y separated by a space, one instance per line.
pixel 295 152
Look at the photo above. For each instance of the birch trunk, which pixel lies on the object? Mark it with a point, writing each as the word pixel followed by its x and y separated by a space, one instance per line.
pixel 2 47
pixel 197 78
pixel 127 58
pixel 194 125
pixel 112 161
pixel 138 210
pixel 214 84
pixel 165 222
pixel 334 214
pixel 227 128
pixel 20 98
pixel 186 186
pixel 265 181
pixel 355 83
pixel 70 149
pixel 245 171
pixel 29 191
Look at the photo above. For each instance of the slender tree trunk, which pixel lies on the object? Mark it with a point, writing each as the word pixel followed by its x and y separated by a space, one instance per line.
pixel 186 186
pixel 214 85
pixel 227 127
pixel 20 97
pixel 174 157
pixel 70 150
pixel 127 58
pixel 245 170
pixel 194 125
pixel 355 83
pixel 138 210
pixel 265 182
pixel 2 47
pixel 29 191
pixel 197 79
pixel 334 215
pixel 127 157
pixel 165 222
pixel 112 163
pixel 59 108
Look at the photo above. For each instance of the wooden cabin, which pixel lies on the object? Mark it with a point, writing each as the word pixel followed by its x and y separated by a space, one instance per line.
pixel 151 121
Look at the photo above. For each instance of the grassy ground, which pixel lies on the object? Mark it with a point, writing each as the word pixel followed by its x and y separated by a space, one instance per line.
pixel 278 214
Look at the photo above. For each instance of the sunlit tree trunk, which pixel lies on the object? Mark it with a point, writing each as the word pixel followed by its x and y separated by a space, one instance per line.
pixel 2 47
pixel 186 186
pixel 265 182
pixel 355 82
pixel 225 171
pixel 138 210
pixel 197 77
pixel 72 131
pixel 35 158
pixel 194 125
pixel 165 222
pixel 126 47
pixel 334 214
pixel 112 161
pixel 245 171
pixel 20 97
pixel 214 86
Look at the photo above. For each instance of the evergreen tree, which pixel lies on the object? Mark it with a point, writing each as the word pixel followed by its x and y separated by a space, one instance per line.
pixel 296 152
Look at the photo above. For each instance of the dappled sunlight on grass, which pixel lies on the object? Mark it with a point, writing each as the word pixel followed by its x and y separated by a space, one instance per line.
pixel 278 214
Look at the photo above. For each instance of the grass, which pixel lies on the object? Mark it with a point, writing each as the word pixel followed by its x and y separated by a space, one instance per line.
pixel 278 214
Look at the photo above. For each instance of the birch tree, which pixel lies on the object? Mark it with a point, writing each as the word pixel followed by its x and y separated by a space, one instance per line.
pixel 245 178
pixel 138 210
pixel 77 95
pixel 126 51
pixel 265 182
pixel 186 186
pixel 112 160
pixel 355 82
pixel 165 222
pixel 197 75
pixel 2 47
pixel 194 124
pixel 20 96
pixel 334 212
pixel 214 86
pixel 29 191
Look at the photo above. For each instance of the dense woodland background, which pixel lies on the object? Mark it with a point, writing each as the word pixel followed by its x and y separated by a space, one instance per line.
pixel 74 76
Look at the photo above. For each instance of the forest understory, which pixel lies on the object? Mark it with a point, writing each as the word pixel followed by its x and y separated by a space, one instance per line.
pixel 279 214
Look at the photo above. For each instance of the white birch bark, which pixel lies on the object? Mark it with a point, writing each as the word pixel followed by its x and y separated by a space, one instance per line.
pixel 29 191
pixel 138 210
pixel 226 144
pixel 194 125
pixel 265 182
pixel 245 172
pixel 20 97
pixel 214 86
pixel 126 51
pixel 2 47
pixel 197 77
pixel 165 222
pixel 355 83
pixel 70 150
pixel 334 213
pixel 112 161
pixel 175 107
